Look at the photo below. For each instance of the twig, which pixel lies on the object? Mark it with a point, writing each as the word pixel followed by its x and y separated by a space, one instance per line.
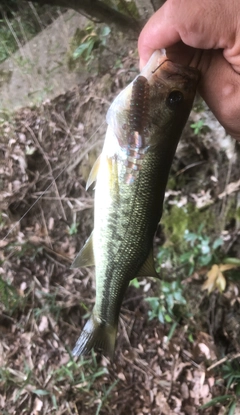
pixel 125 331
pixel 190 166
pixel 45 227
pixel 224 359
pixel 36 15
pixel 223 212
pixel 35 139
pixel 82 155
pixel 13 33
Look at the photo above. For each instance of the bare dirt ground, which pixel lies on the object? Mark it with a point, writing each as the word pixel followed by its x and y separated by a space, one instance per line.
pixel 174 367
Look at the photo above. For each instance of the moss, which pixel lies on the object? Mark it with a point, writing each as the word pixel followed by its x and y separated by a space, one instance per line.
pixel 238 213
pixel 5 76
pixel 176 220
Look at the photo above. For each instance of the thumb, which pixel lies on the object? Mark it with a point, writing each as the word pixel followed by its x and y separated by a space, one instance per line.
pixel 156 34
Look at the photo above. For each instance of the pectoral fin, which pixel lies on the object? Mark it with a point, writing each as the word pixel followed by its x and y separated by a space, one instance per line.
pixel 85 258
pixel 93 173
pixel 148 268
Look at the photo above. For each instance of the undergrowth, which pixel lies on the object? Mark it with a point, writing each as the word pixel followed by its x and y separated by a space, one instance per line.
pixel 20 22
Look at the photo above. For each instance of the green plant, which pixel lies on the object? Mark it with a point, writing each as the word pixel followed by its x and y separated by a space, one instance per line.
pixel 162 307
pixel 127 7
pixel 49 305
pixel 201 250
pixel 81 373
pixel 231 373
pixel 227 400
pixel 23 249
pixel 73 228
pixel 135 283
pixel 92 37
pixel 198 250
pixel 9 296
pixel 199 127
pixel 21 25
pixel 106 393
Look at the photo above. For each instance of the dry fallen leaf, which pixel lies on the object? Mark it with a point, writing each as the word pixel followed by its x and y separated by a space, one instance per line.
pixel 43 324
pixel 215 277
pixel 38 404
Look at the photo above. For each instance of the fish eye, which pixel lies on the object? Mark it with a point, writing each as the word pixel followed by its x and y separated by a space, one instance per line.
pixel 174 99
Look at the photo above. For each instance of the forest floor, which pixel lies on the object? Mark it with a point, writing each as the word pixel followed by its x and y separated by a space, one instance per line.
pixel 178 347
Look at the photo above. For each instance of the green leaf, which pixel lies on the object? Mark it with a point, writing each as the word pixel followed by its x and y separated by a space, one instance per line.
pixel 135 283
pixel 232 408
pixel 232 261
pixel 80 50
pixel 197 126
pixel 168 318
pixel 40 392
pixel 54 401
pixel 90 48
pixel 105 31
pixel 179 298
pixel 128 7
pixel 205 260
pixel 218 242
pixel 216 400
pixel 190 237
pixel 205 248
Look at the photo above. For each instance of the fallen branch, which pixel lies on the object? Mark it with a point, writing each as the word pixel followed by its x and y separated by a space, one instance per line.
pixel 98 10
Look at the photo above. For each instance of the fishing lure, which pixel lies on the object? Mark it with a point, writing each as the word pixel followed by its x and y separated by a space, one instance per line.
pixel 138 120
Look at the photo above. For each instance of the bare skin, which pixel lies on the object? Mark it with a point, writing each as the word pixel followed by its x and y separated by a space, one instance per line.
pixel 204 34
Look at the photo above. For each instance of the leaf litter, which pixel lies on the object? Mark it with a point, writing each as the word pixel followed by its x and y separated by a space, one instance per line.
pixel 46 155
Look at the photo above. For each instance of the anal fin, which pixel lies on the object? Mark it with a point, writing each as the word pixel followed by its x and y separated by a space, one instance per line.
pixel 148 268
pixel 85 258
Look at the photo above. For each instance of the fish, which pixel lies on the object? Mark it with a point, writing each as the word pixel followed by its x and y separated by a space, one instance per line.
pixel 145 122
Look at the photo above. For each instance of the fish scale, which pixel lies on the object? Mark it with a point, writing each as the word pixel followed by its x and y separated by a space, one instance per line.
pixel 127 212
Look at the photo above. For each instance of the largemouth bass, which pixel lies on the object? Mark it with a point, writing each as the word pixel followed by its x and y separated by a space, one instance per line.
pixel 145 123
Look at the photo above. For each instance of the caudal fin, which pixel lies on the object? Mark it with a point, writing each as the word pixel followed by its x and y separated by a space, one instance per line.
pixel 96 334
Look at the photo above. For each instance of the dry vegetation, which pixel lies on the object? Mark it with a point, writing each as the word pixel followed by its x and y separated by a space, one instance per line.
pixel 174 366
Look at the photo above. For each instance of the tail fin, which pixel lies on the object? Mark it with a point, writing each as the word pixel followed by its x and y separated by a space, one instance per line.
pixel 96 334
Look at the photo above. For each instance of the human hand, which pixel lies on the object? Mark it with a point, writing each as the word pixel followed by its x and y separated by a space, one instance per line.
pixel 204 34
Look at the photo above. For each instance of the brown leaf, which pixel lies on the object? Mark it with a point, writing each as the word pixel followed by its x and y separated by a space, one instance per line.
pixel 215 277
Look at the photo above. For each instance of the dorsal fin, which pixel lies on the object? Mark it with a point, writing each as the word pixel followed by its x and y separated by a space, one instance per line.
pixel 85 258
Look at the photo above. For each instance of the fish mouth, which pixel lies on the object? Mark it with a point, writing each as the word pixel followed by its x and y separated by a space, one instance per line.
pixel 168 70
pixel 161 69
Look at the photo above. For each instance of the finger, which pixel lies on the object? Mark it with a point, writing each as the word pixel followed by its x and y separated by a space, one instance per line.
pixel 156 34
pixel 175 21
pixel 184 55
pixel 205 24
pixel 220 88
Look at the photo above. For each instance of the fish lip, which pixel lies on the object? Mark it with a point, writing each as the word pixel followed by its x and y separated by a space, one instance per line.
pixel 159 69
